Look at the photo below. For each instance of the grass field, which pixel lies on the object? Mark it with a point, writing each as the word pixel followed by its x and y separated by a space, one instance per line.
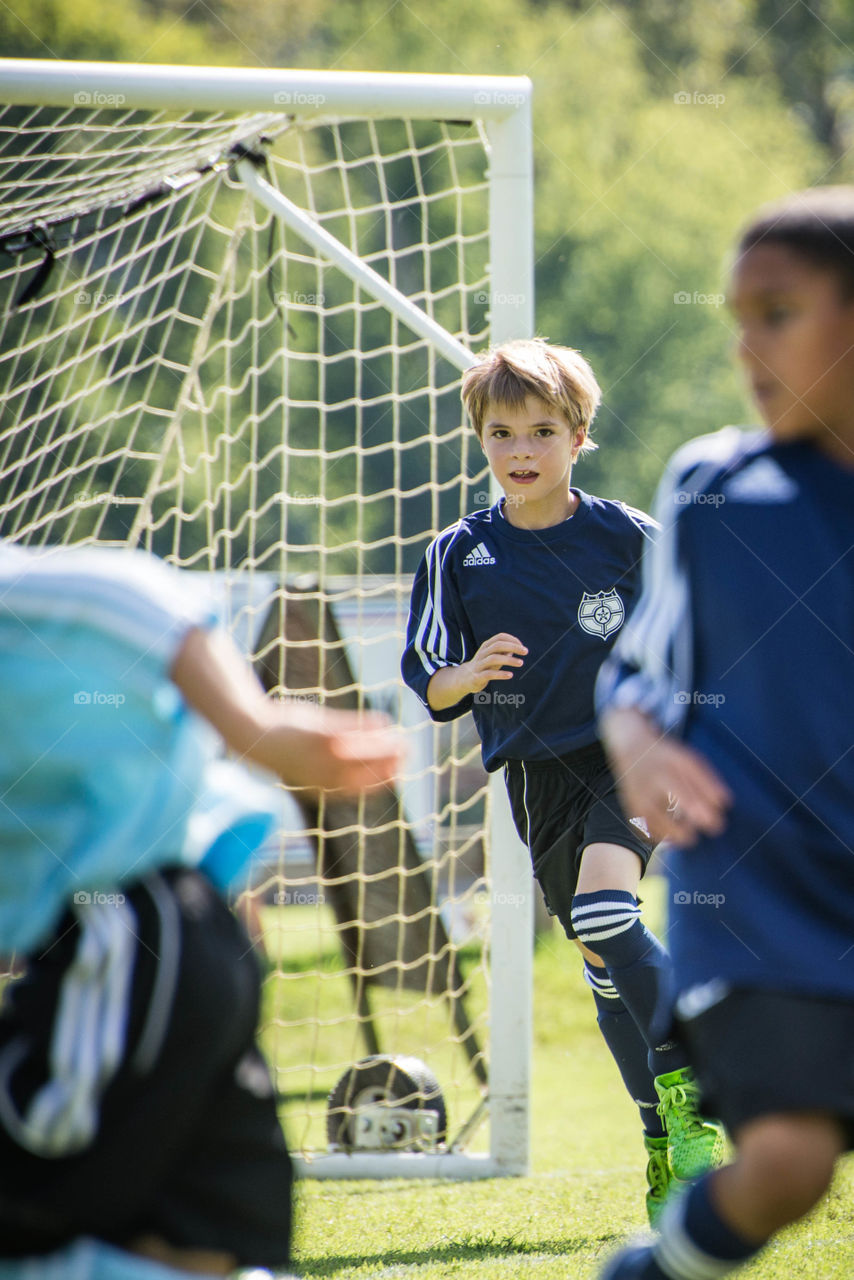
pixel 584 1196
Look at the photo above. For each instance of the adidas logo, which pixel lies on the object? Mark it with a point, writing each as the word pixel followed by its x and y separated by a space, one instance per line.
pixel 761 481
pixel 479 555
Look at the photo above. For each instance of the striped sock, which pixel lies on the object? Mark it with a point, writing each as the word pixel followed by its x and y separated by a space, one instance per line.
pixel 609 923
pixel 627 1045
pixel 696 1244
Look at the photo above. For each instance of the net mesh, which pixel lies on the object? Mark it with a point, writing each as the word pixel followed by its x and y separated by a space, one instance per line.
pixel 180 373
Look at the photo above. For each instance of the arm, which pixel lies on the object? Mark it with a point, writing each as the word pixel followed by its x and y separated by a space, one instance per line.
pixel 651 768
pixel 435 662
pixel 640 692
pixel 449 685
pixel 306 746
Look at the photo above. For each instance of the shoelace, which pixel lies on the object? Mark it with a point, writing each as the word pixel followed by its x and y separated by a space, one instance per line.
pixel 681 1096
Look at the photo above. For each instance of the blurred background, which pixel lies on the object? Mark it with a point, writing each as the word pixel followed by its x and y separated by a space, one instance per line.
pixel 659 125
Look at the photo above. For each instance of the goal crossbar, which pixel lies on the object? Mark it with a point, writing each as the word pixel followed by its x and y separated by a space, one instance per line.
pixel 370 95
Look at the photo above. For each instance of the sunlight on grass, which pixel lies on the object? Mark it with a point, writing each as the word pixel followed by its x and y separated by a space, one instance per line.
pixel 584 1195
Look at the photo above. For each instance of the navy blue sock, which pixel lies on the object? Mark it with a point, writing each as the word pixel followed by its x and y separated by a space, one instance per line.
pixel 635 1263
pixel 627 1045
pixel 609 923
pixel 694 1242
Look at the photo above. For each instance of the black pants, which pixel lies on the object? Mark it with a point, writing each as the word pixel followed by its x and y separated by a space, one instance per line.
pixel 133 1099
pixel 760 1053
pixel 562 805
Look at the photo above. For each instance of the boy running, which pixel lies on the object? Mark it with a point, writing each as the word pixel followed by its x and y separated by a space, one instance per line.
pixel 534 591
pixel 139 1138
pixel 732 689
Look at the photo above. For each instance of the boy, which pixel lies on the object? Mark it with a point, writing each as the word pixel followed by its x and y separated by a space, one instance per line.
pixel 139 1138
pixel 732 688
pixel 560 568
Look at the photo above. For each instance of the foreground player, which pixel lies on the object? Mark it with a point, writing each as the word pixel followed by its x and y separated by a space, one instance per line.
pixel 139 1138
pixel 732 688
pixel 534 590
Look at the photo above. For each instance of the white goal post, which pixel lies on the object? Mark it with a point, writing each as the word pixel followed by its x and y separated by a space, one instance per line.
pixel 235 307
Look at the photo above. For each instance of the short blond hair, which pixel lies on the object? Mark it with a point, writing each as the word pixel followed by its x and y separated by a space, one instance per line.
pixel 509 373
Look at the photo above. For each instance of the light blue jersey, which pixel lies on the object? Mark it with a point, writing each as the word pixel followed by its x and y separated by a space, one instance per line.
pixel 101 762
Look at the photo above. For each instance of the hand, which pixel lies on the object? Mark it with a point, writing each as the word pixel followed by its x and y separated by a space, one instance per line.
pixel 449 685
pixel 492 657
pixel 305 745
pixel 651 769
pixel 327 750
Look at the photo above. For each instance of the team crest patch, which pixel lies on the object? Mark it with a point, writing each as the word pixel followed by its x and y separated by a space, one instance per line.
pixel 601 614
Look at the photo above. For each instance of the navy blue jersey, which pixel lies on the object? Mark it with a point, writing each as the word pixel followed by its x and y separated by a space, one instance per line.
pixel 743 645
pixel 564 592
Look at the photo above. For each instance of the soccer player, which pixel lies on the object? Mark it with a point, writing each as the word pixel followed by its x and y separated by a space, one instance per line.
pixel 139 1138
pixel 732 689
pixel 513 610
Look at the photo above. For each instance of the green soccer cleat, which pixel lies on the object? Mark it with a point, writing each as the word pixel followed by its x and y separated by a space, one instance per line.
pixel 694 1145
pixel 658 1177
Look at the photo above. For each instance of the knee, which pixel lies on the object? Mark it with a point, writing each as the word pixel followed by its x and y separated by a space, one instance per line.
pixel 604 924
pixel 790 1161
pixel 590 957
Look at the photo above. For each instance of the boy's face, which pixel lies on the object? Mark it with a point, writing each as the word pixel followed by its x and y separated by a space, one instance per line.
pixel 530 451
pixel 796 333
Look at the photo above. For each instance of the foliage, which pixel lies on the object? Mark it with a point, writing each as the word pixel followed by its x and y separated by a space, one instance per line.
pixel 658 127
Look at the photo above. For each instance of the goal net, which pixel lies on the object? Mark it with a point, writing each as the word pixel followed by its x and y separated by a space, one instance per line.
pixel 235 310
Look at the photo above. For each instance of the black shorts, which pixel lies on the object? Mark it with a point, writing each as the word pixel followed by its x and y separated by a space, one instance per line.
pixel 759 1053
pixel 133 1099
pixel 560 806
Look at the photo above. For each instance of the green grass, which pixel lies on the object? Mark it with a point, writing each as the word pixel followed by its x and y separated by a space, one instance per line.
pixel 584 1195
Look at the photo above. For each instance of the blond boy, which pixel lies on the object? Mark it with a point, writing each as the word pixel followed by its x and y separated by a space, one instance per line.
pixel 513 610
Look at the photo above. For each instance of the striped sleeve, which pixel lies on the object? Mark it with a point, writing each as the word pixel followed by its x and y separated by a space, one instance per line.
pixel 435 632
pixel 651 665
pixel 131 596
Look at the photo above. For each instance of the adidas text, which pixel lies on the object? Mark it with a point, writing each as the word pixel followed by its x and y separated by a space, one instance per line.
pixel 478 555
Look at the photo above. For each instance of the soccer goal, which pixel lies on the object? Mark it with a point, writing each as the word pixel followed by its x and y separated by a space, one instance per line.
pixel 236 305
